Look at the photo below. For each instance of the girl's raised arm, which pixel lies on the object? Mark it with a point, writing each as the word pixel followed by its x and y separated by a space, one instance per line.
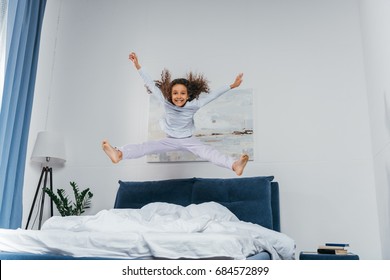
pixel 133 57
pixel 237 81
pixel 206 98
pixel 149 83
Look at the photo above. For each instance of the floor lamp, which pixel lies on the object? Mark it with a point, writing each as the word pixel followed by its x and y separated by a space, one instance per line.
pixel 49 150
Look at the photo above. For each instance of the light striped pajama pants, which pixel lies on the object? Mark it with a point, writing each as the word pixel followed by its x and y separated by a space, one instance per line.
pixel 190 144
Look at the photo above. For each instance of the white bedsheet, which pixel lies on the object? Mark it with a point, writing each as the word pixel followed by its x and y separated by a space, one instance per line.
pixel 161 230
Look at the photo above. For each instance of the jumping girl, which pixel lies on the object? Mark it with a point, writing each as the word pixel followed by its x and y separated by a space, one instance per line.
pixel 181 99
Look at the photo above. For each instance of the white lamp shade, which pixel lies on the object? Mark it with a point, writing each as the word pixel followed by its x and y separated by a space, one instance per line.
pixel 49 147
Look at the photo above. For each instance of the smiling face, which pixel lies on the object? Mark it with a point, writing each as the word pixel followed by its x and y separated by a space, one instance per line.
pixel 179 95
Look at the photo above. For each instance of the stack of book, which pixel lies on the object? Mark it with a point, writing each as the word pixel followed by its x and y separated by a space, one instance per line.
pixel 333 248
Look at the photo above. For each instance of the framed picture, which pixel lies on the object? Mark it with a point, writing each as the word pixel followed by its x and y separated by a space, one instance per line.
pixel 225 123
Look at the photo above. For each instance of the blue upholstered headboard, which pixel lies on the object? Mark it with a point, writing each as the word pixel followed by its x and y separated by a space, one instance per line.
pixel 251 199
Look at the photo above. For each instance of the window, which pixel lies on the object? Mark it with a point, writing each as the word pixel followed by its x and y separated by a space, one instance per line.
pixel 3 32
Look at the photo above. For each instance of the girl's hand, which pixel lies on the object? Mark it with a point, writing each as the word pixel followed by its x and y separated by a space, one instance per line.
pixel 133 57
pixel 237 81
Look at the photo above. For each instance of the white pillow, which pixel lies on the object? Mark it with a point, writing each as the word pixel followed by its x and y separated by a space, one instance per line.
pixel 214 210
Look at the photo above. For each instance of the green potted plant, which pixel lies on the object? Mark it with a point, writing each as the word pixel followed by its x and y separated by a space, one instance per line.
pixel 65 206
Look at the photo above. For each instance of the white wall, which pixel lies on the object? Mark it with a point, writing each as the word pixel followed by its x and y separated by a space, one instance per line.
pixel 303 59
pixel 376 41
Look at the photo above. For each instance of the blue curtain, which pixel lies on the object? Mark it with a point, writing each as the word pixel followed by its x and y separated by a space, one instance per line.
pixel 23 36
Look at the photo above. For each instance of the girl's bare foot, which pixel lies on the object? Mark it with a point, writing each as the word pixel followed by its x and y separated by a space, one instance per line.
pixel 239 165
pixel 113 154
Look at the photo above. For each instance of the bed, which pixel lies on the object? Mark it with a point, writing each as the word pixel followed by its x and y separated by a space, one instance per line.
pixel 190 218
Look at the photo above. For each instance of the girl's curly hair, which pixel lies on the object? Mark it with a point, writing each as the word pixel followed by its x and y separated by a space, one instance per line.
pixel 195 84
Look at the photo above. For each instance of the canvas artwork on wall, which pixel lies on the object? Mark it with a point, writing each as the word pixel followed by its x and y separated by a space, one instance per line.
pixel 225 123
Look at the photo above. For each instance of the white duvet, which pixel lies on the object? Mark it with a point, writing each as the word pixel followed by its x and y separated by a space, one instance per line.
pixel 160 230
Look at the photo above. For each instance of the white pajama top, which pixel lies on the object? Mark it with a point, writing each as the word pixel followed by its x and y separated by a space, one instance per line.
pixel 178 122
